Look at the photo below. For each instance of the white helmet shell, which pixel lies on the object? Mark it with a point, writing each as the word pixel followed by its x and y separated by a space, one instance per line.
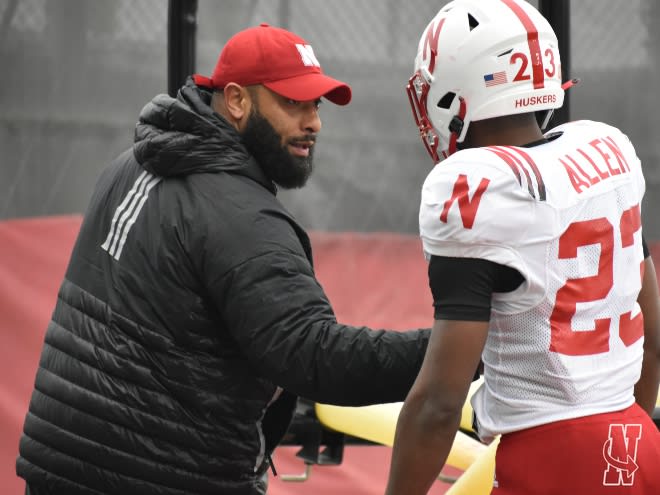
pixel 480 59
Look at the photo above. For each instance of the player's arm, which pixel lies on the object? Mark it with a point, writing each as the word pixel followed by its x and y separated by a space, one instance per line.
pixel 646 389
pixel 431 413
pixel 462 290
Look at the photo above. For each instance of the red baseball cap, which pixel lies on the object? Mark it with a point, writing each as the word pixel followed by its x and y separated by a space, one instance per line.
pixel 280 60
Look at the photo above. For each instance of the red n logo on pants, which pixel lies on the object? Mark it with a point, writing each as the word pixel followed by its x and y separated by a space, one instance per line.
pixel 620 453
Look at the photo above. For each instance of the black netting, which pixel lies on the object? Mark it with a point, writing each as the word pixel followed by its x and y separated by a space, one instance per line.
pixel 75 74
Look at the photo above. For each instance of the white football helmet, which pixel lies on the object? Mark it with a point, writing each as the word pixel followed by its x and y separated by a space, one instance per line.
pixel 479 59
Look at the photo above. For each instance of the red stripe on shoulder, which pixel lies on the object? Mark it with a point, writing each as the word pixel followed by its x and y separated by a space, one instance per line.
pixel 516 164
pixel 508 160
pixel 535 171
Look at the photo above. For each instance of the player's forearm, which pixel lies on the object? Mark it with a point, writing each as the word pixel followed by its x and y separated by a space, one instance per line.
pixel 422 444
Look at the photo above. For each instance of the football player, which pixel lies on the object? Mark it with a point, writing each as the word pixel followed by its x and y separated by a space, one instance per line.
pixel 552 284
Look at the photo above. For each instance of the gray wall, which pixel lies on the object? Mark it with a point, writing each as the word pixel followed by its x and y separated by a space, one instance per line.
pixel 75 74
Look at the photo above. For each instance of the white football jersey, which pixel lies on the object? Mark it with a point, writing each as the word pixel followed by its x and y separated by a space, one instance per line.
pixel 566 215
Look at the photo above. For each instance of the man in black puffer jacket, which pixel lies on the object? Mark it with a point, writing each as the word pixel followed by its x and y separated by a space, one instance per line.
pixel 189 319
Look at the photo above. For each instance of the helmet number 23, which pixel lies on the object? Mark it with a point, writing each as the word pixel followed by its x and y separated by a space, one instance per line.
pixel 565 340
pixel 523 59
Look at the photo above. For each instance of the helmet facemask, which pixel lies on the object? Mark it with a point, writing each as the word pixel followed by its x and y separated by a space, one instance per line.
pixel 418 90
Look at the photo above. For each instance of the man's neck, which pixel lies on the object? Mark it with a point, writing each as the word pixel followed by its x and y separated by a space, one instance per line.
pixel 505 131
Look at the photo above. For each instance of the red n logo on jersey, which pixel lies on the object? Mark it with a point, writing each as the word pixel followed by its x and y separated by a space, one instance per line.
pixel 468 207
pixel 620 453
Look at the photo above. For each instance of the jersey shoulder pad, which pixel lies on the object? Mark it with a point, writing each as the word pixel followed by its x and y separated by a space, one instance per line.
pixel 472 200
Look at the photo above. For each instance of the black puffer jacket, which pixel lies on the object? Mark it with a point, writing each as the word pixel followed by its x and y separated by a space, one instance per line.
pixel 189 303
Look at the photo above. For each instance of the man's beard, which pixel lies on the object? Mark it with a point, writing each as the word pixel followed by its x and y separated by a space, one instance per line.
pixel 265 144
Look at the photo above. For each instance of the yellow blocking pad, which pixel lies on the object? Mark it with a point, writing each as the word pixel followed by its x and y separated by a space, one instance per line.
pixel 466 413
pixel 377 423
pixel 478 478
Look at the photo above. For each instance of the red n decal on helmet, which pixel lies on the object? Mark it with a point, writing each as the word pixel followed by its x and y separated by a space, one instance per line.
pixel 431 42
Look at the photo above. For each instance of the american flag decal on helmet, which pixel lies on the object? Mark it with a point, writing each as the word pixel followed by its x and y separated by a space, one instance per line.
pixel 495 78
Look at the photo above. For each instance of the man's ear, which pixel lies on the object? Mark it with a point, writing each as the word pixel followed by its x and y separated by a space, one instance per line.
pixel 238 102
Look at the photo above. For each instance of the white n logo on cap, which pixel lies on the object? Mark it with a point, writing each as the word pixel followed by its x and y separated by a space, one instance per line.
pixel 307 55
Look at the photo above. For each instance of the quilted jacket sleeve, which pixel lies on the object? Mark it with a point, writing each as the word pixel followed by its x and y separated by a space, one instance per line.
pixel 281 318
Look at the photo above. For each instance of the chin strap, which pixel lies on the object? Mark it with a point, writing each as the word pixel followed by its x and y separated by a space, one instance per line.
pixel 548 115
pixel 456 126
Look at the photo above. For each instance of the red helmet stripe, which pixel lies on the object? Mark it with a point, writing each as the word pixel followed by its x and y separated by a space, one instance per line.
pixel 532 40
